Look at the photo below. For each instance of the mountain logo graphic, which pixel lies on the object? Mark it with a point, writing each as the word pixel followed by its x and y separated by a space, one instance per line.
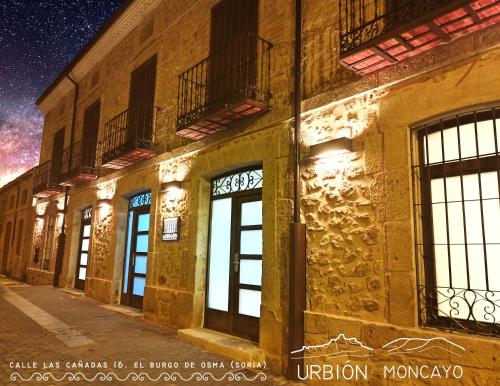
pixel 418 345
pixel 343 346
pixel 335 347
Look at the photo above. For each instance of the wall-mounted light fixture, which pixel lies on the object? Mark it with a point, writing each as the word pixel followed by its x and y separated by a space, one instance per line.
pixel 104 202
pixel 329 148
pixel 172 189
pixel 171 186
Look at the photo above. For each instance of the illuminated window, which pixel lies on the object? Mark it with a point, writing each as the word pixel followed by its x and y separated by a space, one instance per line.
pixel 456 172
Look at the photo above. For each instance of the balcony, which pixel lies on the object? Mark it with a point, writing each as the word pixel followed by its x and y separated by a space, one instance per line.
pixel 79 163
pixel 377 33
pixel 225 89
pixel 129 137
pixel 45 181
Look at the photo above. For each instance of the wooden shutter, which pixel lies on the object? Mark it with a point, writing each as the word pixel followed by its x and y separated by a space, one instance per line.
pixel 230 19
pixel 57 155
pixel 141 101
pixel 233 33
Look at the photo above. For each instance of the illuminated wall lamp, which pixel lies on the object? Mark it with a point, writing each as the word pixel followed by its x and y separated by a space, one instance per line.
pixel 171 186
pixel 104 202
pixel 333 147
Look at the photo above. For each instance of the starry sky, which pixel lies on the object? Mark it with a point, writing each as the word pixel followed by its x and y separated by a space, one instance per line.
pixel 37 39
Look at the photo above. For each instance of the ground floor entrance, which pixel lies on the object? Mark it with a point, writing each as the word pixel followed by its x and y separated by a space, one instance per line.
pixel 136 250
pixel 6 245
pixel 234 277
pixel 83 249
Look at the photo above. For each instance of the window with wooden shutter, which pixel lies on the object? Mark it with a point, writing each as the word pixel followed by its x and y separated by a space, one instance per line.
pixel 57 155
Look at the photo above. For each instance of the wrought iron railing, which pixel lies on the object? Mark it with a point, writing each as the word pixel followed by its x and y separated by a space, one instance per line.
pixel 468 310
pixel 362 21
pixel 132 128
pixel 239 71
pixel 79 156
pixel 45 176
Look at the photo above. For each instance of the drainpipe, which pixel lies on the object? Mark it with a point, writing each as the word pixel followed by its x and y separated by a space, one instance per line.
pixel 297 279
pixel 61 241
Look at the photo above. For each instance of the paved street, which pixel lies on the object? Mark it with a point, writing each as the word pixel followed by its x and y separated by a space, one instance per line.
pixel 45 332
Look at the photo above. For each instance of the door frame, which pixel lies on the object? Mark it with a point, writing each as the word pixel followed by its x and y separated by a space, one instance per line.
pixel 80 284
pixel 244 323
pixel 6 246
pixel 128 298
pixel 213 318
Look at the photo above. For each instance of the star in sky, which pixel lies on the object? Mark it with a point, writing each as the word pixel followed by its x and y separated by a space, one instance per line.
pixel 37 39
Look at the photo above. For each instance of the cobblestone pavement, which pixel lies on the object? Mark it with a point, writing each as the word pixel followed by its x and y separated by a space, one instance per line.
pixel 114 339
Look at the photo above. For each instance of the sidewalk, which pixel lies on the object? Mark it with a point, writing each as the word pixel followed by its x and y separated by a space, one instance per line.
pixel 57 338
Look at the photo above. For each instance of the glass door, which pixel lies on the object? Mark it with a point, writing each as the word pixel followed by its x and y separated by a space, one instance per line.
pixel 83 249
pixel 247 265
pixel 136 251
pixel 234 276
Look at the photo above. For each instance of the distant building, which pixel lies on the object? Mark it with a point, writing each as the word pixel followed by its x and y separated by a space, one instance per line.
pixel 16 225
pixel 167 157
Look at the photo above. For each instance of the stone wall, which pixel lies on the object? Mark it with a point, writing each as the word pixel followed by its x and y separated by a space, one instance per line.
pixel 46 226
pixel 361 277
pixel 16 209
pixel 359 215
pixel 344 207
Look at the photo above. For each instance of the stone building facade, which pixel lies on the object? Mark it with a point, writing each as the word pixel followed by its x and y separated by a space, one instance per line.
pixel 374 262
pixel 16 219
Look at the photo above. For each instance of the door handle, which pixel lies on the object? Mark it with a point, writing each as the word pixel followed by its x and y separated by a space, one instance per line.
pixel 236 262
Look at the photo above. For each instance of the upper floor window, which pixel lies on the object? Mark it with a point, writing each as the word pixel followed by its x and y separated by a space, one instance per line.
pixel 19 237
pixel 57 154
pixel 11 201
pixel 232 84
pixel 456 169
pixel 24 197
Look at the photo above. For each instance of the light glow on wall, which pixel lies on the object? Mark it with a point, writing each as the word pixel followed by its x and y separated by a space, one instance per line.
pixel 106 190
pixel 60 203
pixel 175 169
pixel 41 208
pixel 340 119
pixel 324 166
pixel 172 190
pixel 59 222
pixel 104 208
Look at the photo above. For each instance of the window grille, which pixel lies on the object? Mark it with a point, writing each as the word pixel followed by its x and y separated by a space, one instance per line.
pixel 237 182
pixel 456 175
pixel 143 199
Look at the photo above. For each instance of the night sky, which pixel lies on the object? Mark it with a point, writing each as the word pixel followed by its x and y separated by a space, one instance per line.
pixel 37 39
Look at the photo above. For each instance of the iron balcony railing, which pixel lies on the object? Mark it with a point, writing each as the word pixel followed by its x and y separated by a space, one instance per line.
pixel 45 178
pixel 362 21
pixel 133 128
pixel 81 156
pixel 239 71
